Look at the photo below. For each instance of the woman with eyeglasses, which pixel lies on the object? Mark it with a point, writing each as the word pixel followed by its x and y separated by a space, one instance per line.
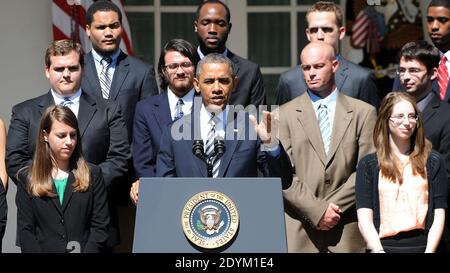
pixel 401 190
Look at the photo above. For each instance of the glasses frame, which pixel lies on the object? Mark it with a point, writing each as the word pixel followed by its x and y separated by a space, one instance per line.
pixel 397 120
pixel 183 65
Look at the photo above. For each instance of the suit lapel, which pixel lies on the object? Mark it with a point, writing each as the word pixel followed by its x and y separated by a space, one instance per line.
pixel 86 111
pixel 234 122
pixel 308 120
pixel 447 94
pixel 430 109
pixel 341 74
pixel 46 102
pixel 236 62
pixel 195 126
pixel 161 110
pixel 68 192
pixel 91 75
pixel 55 201
pixel 342 119
pixel 120 73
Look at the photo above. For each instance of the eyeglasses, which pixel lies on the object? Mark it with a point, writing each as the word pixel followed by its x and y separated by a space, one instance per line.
pixel 174 66
pixel 413 71
pixel 399 118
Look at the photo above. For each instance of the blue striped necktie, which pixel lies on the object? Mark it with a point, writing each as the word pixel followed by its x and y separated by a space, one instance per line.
pixel 66 102
pixel 209 147
pixel 179 110
pixel 105 79
pixel 325 127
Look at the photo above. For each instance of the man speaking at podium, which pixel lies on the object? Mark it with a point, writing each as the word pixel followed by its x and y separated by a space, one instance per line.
pixel 216 139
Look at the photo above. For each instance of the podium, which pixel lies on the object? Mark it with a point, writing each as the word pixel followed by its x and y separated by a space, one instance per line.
pixel 163 202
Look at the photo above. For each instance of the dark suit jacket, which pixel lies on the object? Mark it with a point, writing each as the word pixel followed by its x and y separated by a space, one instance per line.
pixel 44 225
pixel 103 137
pixel 151 117
pixel 133 81
pixel 3 213
pixel 351 79
pixel 436 119
pixel 250 85
pixel 242 158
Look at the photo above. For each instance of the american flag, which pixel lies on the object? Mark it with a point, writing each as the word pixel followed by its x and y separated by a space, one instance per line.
pixel 365 33
pixel 69 22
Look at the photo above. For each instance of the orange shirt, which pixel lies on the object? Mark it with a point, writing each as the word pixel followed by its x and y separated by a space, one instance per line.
pixel 403 207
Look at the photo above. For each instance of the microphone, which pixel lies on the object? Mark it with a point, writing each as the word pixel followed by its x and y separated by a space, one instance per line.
pixel 198 149
pixel 219 148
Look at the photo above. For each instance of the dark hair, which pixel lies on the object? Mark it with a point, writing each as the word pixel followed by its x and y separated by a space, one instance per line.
pixel 61 48
pixel 197 13
pixel 423 52
pixel 215 58
pixel 102 5
pixel 40 176
pixel 440 3
pixel 178 45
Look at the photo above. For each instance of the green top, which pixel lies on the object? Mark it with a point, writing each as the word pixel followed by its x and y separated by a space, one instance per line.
pixel 60 185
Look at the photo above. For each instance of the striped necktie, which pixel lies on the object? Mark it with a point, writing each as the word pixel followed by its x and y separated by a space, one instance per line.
pixel 209 147
pixel 443 77
pixel 66 102
pixel 324 126
pixel 105 79
pixel 179 110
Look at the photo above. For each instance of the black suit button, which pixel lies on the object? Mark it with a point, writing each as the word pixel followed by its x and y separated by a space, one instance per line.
pixel 63 237
pixel 328 181
pixel 61 222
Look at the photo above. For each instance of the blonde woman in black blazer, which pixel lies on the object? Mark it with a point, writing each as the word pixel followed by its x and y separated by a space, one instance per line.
pixel 61 199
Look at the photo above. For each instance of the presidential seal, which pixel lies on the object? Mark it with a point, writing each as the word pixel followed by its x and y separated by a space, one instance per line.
pixel 210 219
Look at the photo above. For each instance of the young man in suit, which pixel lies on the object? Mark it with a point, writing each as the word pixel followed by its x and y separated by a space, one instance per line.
pixel 325 133
pixel 418 69
pixel 438 26
pixel 111 74
pixel 176 70
pixel 212 25
pixel 325 23
pixel 103 132
pixel 213 119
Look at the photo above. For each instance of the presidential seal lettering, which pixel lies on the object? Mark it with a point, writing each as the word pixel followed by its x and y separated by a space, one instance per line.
pixel 210 219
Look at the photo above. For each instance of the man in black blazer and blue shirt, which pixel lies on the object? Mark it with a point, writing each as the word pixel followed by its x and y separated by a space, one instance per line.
pixel 325 23
pixel 103 132
pixel 212 25
pixel 418 68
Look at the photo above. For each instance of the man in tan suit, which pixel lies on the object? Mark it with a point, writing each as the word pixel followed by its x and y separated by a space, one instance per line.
pixel 325 134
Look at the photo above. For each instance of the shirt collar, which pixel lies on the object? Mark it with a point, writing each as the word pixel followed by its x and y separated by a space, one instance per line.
pixel 188 99
pixel 316 100
pixel 98 58
pixel 201 55
pixel 58 98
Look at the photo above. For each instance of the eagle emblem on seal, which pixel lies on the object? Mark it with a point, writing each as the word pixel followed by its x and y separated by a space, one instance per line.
pixel 210 221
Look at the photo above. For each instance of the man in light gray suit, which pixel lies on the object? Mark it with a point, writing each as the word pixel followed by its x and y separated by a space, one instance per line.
pixel 325 23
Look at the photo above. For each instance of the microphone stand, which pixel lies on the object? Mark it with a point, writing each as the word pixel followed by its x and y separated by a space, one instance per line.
pixel 199 151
